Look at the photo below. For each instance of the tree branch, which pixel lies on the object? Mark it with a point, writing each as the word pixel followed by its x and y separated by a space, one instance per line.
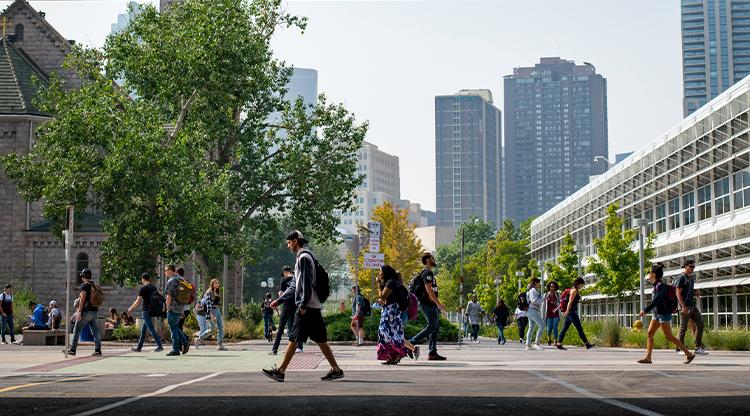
pixel 183 113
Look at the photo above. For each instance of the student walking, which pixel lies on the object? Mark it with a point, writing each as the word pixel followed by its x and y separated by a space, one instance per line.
pixel 145 297
pixel 6 310
pixel 358 316
pixel 214 290
pixel 501 313
pixel 663 316
pixel 688 307
pixel 552 299
pixel 308 320
pixel 202 315
pixel 177 294
pixel 267 317
pixel 534 314
pixel 394 297
pixel 425 288
pixel 288 308
pixel 185 308
pixel 473 313
pixel 522 321
pixel 87 313
pixel 569 308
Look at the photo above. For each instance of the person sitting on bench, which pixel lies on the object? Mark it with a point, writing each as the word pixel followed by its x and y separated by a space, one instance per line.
pixel 38 318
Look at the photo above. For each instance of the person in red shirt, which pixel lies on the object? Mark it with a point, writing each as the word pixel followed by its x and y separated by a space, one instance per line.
pixel 552 300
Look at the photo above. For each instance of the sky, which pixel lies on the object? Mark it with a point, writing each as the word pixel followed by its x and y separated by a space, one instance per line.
pixel 387 60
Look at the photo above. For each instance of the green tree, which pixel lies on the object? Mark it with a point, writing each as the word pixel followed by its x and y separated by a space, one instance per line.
pixel 565 270
pixel 197 152
pixel 616 264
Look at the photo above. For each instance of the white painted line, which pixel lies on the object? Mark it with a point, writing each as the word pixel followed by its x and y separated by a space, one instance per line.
pixel 144 396
pixel 590 395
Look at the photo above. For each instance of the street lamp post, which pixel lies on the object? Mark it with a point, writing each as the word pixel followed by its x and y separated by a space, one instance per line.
pixel 641 223
pixel 579 250
pixel 520 276
pixel 498 280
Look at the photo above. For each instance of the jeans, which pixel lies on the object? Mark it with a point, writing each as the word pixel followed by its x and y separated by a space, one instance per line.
pixel 695 314
pixel 267 325
pixel 432 314
pixel 466 328
pixel 7 320
pixel 178 337
pixel 535 319
pixel 204 331
pixel 219 320
pixel 287 318
pixel 474 331
pixel 148 324
pixel 500 333
pixel 573 319
pixel 86 318
pixel 521 324
pixel 552 325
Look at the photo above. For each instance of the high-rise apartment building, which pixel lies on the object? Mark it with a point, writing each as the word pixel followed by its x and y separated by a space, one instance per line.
pixel 555 127
pixel 303 83
pixel 468 141
pixel 381 183
pixel 133 10
pixel 715 48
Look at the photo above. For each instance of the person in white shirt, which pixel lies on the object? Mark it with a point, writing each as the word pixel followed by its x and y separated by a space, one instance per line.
pixel 473 313
pixel 535 314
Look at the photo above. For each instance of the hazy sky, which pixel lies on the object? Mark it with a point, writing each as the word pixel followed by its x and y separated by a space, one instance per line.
pixel 386 60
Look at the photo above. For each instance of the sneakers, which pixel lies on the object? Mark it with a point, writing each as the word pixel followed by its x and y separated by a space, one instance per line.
pixel 71 352
pixel 185 347
pixel 273 353
pixel 590 346
pixel 681 352
pixel 689 359
pixel 221 347
pixel 435 357
pixel 333 375
pixel 135 349
pixel 701 351
pixel 173 353
pixel 4 342
pixel 416 353
pixel 560 347
pixel 549 342
pixel 537 347
pixel 196 342
pixel 502 343
pixel 97 354
pixel 159 349
pixel 298 350
pixel 277 375
pixel 476 341
pixel 527 348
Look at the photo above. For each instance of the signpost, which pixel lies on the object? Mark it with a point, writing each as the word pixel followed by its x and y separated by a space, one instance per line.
pixel 374 260
pixel 69 227
pixel 374 228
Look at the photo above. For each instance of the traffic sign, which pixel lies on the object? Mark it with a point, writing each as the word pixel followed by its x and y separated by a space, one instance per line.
pixel 374 260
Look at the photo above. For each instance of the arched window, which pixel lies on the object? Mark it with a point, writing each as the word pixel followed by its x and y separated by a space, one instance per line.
pixel 82 262
pixel 19 32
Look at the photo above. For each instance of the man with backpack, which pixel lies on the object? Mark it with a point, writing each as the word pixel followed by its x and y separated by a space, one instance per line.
pixel 311 289
pixel 178 293
pixel 152 301
pixel 90 299
pixel 685 284
pixel 360 307
pixel 424 286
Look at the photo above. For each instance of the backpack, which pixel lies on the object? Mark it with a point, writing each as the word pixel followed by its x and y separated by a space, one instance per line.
pixel 523 303
pixel 402 298
pixel 158 305
pixel 417 287
pixel 97 295
pixel 670 298
pixel 322 284
pixel 185 292
pixel 564 299
pixel 366 307
pixel 413 310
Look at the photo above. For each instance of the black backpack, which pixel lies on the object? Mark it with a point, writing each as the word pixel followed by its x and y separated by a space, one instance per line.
pixel 402 298
pixel 417 287
pixel 158 305
pixel 322 284
pixel 366 307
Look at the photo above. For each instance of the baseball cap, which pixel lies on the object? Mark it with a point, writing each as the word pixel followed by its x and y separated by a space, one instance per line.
pixel 296 235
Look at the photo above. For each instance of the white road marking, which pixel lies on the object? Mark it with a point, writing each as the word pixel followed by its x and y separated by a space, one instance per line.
pixel 144 396
pixel 590 395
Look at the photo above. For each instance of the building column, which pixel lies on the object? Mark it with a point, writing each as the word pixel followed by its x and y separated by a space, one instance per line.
pixel 735 307
pixel 716 308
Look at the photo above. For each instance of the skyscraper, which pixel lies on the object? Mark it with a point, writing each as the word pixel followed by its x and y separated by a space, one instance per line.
pixel 468 140
pixel 133 10
pixel 555 127
pixel 303 83
pixel 715 48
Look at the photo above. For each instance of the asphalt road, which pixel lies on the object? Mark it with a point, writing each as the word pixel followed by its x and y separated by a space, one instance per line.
pixel 479 380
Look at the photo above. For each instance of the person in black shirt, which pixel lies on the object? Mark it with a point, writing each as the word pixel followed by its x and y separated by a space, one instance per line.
pixel 145 294
pixel 688 308
pixel 287 310
pixel 86 314
pixel 501 314
pixel 427 292
pixel 662 317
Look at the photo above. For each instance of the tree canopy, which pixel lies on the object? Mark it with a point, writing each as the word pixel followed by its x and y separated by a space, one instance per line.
pixel 565 270
pixel 198 151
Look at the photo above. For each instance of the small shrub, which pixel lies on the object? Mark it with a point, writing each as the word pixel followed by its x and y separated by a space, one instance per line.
pixel 235 329
pixel 250 313
pixel 126 333
pixel 191 324
pixel 731 340
pixel 22 295
pixel 609 334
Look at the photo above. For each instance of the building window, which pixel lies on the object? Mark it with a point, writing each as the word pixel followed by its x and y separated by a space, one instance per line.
pixel 742 189
pixel 688 205
pixel 721 190
pixel 704 202
pixel 674 214
pixel 82 262
pixel 661 218
pixel 18 32
pixel 649 215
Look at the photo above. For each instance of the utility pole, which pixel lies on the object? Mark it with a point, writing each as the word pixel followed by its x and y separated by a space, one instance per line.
pixel 461 288
pixel 70 226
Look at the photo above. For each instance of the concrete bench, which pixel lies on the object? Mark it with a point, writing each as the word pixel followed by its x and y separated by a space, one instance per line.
pixel 44 337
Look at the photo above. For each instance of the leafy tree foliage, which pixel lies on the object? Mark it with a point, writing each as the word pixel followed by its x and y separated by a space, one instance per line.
pixel 565 270
pixel 197 152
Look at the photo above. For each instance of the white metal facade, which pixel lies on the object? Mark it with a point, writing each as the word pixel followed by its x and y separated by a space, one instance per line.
pixel 693 185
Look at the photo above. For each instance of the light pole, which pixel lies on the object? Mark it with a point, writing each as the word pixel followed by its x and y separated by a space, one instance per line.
pixel 579 250
pixel 498 280
pixel 520 276
pixel 641 224
pixel 355 243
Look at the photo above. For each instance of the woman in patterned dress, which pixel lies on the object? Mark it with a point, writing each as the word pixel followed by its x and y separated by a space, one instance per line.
pixel 391 348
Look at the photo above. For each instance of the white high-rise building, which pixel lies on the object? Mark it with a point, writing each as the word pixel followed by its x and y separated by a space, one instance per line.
pixel 133 10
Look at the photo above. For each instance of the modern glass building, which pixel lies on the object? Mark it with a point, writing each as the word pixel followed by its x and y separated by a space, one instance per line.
pixel 693 186
pixel 555 127
pixel 715 48
pixel 468 142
